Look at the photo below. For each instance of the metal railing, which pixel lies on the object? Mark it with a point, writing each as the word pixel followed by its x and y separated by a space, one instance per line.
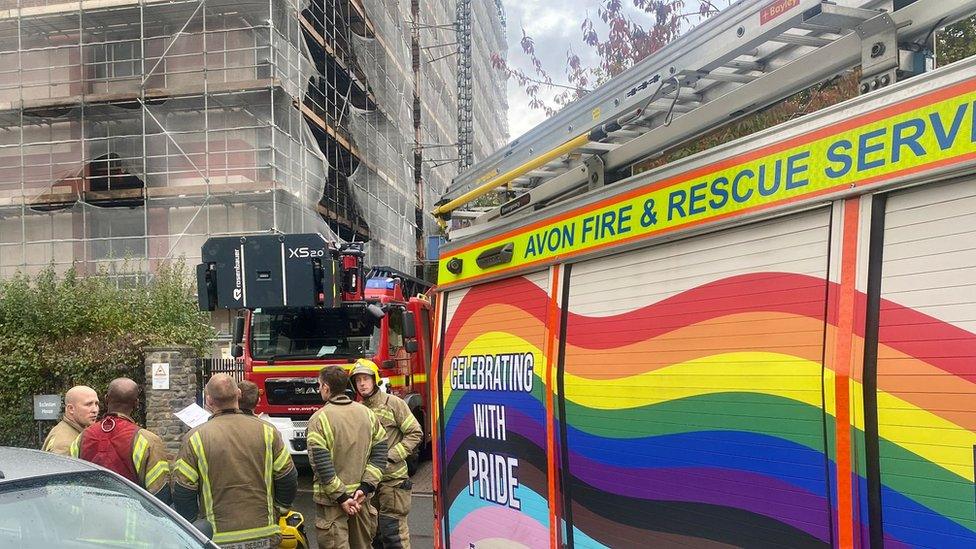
pixel 207 367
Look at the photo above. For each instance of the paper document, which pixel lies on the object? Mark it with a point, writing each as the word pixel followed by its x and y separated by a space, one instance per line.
pixel 193 415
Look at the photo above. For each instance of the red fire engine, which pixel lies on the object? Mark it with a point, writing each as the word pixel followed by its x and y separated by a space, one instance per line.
pixel 304 304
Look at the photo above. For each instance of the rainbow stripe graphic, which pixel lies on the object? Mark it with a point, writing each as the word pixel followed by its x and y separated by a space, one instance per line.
pixel 488 320
pixel 708 418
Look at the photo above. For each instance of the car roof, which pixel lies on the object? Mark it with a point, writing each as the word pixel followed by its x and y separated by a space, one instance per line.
pixel 20 463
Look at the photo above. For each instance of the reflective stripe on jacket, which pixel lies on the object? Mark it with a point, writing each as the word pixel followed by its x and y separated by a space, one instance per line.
pixel 403 432
pixel 232 462
pixel 346 448
pixel 59 440
pixel 119 444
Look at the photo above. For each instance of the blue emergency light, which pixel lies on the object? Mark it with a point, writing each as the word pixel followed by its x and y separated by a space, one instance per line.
pixel 381 283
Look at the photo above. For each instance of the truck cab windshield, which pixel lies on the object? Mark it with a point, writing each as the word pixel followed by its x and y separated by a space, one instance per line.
pixel 313 333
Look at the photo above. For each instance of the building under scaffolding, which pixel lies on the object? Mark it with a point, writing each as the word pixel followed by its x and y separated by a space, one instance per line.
pixel 134 130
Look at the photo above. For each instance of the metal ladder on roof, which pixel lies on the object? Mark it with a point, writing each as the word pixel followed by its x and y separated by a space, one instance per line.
pixel 747 57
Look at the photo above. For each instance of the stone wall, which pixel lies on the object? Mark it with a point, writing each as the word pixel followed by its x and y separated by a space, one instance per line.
pixel 161 404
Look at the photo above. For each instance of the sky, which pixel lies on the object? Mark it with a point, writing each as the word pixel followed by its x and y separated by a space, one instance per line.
pixel 555 26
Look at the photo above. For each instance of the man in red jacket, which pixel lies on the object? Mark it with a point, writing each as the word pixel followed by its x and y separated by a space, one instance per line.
pixel 119 444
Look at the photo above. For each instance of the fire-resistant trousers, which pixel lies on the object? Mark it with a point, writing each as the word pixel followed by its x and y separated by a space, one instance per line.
pixel 393 501
pixel 334 529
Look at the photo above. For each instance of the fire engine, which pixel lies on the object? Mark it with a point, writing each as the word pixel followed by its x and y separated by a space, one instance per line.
pixel 305 303
pixel 769 343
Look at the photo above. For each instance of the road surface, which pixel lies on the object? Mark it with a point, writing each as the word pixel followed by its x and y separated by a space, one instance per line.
pixel 421 513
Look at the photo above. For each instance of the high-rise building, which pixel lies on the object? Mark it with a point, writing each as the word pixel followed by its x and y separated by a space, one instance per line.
pixel 457 83
pixel 131 131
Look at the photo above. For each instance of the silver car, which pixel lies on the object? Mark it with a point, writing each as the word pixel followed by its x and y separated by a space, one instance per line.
pixel 51 501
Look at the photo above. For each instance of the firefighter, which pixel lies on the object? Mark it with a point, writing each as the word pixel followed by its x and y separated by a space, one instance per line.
pixel 235 472
pixel 119 444
pixel 250 393
pixel 347 451
pixel 80 411
pixel 403 435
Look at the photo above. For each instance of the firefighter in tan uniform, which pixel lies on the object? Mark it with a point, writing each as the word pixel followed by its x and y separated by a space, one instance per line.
pixel 403 435
pixel 250 394
pixel 117 443
pixel 347 451
pixel 235 472
pixel 80 411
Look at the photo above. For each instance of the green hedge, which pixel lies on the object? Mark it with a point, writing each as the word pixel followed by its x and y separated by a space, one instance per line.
pixel 57 331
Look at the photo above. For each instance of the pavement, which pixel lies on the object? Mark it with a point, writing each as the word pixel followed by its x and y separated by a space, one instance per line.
pixel 421 510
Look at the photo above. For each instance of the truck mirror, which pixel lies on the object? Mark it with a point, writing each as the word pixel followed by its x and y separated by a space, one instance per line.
pixel 238 331
pixel 409 329
pixel 410 345
pixel 375 311
pixel 237 351
pixel 206 288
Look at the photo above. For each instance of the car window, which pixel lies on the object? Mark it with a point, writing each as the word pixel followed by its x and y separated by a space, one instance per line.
pixel 85 510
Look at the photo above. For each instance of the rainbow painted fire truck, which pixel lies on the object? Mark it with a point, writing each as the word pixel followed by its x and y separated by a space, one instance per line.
pixel 304 303
pixel 769 343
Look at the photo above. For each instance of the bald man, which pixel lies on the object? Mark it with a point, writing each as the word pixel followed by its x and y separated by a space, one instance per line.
pixel 235 471
pixel 119 444
pixel 80 411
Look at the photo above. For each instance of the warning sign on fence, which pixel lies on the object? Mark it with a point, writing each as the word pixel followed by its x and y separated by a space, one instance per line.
pixel 160 376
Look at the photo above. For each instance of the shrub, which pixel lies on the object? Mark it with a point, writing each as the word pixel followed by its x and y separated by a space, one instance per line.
pixel 57 331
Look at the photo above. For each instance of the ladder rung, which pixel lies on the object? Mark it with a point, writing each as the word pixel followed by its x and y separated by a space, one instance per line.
pixel 729 77
pixel 687 96
pixel 744 65
pixel 845 17
pixel 625 134
pixel 664 106
pixel 593 147
pixel 801 40
pixel 629 133
pixel 819 29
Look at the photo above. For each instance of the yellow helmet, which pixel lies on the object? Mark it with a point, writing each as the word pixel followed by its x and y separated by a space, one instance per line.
pixel 292 525
pixel 365 366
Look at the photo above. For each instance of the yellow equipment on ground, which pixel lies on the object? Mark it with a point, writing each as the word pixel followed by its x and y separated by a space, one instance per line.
pixel 292 526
